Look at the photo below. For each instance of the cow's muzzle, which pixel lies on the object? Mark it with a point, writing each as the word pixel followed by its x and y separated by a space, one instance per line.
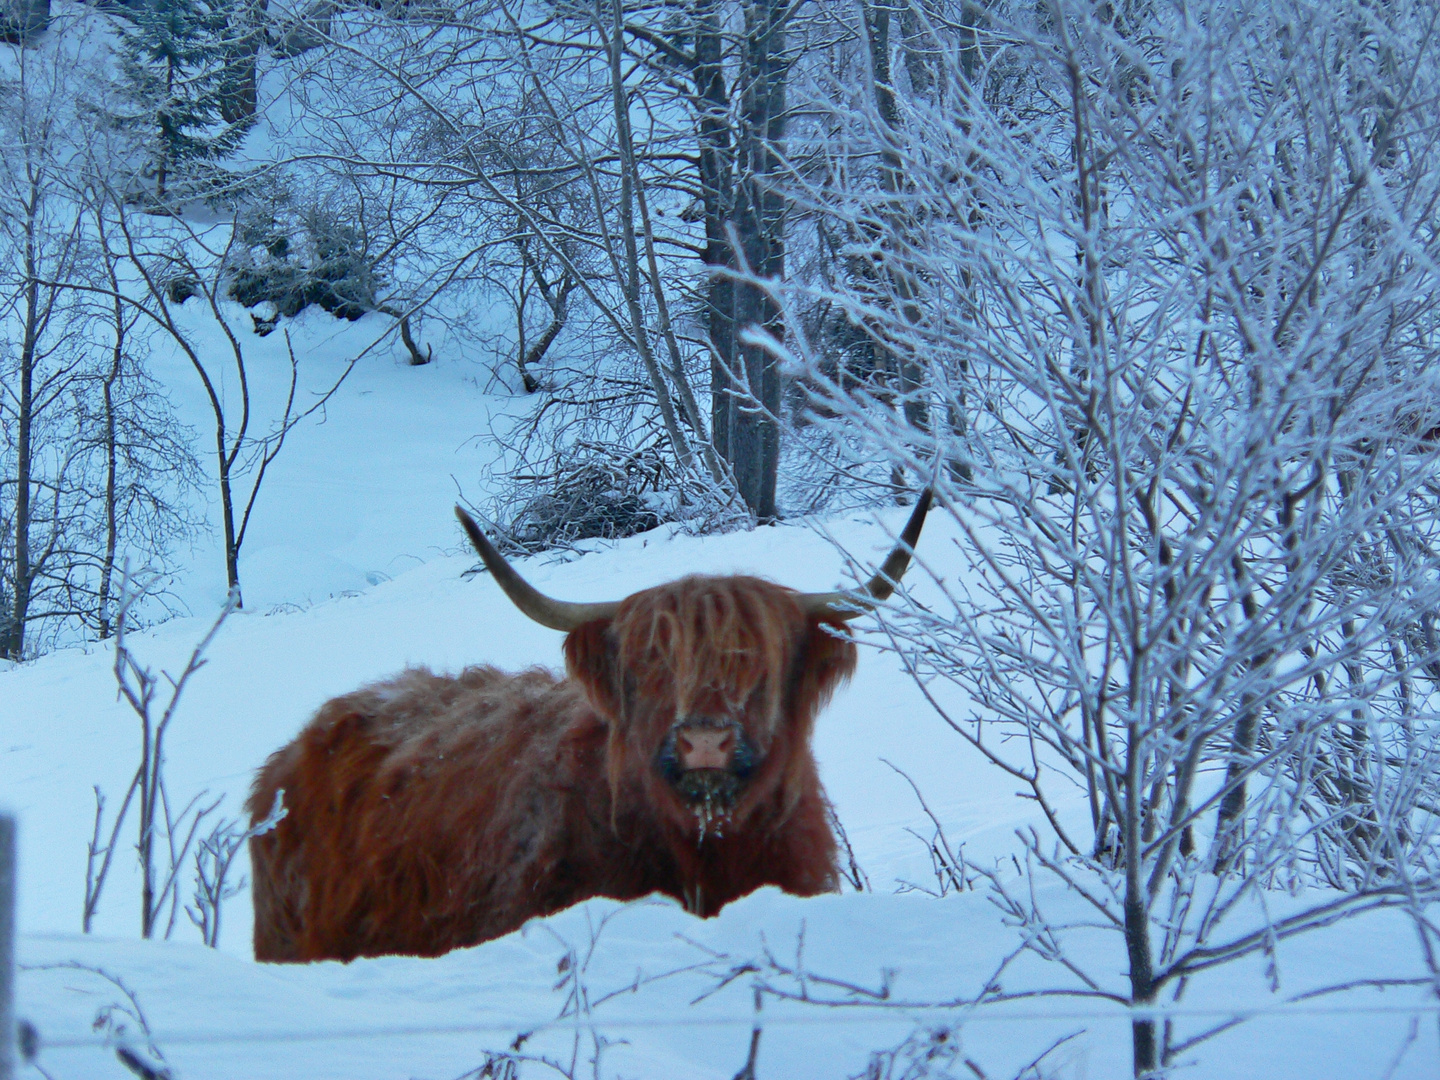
pixel 707 761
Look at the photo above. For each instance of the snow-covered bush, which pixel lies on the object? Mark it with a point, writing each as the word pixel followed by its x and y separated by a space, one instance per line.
pixel 294 260
pixel 588 491
pixel 597 497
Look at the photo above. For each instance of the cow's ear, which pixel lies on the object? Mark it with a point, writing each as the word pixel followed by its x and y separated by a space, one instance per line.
pixel 827 660
pixel 590 660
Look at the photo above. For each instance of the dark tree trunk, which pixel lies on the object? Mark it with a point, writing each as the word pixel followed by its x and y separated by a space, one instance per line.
pixel 239 97
pixel 759 232
pixel 901 277
pixel 417 358
pixel 227 511
pixel 717 197
pixel 112 530
pixel 12 645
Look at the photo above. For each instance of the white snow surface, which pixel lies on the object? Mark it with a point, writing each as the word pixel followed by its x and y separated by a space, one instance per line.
pixel 218 1016
pixel 353 570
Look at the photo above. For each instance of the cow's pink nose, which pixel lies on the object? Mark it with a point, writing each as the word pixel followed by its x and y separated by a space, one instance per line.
pixel 704 748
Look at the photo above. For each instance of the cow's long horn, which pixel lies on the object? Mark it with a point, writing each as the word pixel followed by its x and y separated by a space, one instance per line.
pixel 556 614
pixel 844 605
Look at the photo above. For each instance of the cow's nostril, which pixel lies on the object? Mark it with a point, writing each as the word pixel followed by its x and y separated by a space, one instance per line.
pixel 704 748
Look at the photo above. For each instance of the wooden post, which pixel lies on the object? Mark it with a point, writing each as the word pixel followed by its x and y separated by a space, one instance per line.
pixel 8 875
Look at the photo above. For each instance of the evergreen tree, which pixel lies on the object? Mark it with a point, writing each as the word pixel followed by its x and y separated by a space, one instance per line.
pixel 175 57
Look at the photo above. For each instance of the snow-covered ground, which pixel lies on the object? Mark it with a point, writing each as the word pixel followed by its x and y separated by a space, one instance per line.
pixel 361 490
pixel 354 569
pixel 645 969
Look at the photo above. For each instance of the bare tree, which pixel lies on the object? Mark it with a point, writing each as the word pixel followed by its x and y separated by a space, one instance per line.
pixel 172 262
pixel 1191 338
pixel 168 273
pixel 92 461
pixel 41 231
pixel 165 835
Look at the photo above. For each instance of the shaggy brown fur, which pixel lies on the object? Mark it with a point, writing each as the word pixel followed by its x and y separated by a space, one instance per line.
pixel 431 812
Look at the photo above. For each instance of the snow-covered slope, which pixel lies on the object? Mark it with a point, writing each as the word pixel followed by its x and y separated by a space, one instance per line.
pixel 360 491
pixel 354 569
pixel 215 1015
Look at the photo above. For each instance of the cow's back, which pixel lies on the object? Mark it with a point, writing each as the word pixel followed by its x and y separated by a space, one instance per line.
pixel 421 813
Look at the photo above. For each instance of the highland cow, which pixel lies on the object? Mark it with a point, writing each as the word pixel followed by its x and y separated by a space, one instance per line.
pixel 430 812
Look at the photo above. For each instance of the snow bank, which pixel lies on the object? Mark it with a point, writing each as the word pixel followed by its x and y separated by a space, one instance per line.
pixel 661 991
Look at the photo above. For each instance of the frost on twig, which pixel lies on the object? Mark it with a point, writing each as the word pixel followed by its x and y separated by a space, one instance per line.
pixel 1186 470
pixel 213 856
pixel 166 834
pixel 122 1024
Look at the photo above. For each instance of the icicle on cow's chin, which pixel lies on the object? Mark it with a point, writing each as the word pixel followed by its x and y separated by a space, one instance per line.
pixel 711 796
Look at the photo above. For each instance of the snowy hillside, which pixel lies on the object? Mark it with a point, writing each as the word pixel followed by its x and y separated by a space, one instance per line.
pixel 369 491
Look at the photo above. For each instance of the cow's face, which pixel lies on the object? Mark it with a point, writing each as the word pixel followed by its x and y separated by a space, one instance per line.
pixel 711 686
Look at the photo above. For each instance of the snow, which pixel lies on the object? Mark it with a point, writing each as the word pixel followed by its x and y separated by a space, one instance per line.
pixel 644 967
pixel 356 571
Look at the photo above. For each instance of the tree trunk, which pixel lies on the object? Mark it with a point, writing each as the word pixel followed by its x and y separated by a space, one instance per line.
pixel 417 358
pixel 717 198
pixel 900 277
pixel 557 299
pixel 1228 841
pixel 12 646
pixel 107 566
pixel 759 232
pixel 239 96
pixel 232 549
pixel 1137 908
